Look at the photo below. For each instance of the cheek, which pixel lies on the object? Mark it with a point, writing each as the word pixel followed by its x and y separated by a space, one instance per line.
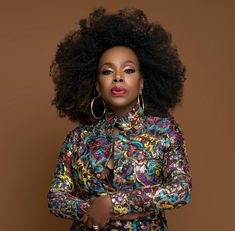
pixel 135 85
pixel 97 87
pixel 103 85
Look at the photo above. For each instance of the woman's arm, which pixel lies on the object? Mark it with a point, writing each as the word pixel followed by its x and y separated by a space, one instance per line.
pixel 62 199
pixel 176 190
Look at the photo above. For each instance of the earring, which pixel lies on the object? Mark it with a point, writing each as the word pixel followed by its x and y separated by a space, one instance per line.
pixel 141 104
pixel 92 111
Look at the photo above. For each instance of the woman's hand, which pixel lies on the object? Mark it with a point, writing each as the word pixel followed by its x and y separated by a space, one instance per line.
pixel 99 213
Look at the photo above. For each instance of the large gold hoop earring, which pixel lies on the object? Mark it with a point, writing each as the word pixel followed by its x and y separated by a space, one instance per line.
pixel 141 104
pixel 92 103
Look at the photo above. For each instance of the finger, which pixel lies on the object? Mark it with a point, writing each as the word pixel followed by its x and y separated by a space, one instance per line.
pixel 89 224
pixel 85 219
pixel 103 224
pixel 93 198
pixel 126 217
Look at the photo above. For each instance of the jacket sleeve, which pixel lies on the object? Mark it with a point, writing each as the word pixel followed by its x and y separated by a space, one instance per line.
pixel 177 181
pixel 62 196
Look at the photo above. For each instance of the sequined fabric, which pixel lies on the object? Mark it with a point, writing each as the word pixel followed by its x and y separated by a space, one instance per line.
pixel 151 170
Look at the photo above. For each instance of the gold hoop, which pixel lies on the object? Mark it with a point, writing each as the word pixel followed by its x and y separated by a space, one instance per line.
pixel 141 104
pixel 92 112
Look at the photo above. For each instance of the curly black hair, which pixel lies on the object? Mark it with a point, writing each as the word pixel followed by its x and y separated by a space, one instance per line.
pixel 74 69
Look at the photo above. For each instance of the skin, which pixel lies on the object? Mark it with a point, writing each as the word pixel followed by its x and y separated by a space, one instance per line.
pixel 118 66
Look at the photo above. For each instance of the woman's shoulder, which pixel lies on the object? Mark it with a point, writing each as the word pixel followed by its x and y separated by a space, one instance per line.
pixel 73 134
pixel 78 131
pixel 164 124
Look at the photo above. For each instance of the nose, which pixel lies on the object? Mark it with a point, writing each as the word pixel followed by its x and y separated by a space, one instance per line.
pixel 118 78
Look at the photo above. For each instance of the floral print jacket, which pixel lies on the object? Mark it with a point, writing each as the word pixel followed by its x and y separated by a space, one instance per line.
pixel 151 170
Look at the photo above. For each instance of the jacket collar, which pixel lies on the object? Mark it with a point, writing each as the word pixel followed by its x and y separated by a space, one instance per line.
pixel 132 121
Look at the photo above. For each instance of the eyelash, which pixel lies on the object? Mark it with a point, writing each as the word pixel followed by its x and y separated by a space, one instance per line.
pixel 106 72
pixel 128 71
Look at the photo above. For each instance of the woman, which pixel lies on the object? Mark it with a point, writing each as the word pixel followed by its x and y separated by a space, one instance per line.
pixel 119 76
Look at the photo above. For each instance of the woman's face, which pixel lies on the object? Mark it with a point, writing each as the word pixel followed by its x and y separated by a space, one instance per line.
pixel 119 80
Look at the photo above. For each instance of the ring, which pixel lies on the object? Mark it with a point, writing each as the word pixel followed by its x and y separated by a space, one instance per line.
pixel 95 227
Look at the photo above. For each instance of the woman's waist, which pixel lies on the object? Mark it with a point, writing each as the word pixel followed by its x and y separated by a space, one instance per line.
pixel 154 221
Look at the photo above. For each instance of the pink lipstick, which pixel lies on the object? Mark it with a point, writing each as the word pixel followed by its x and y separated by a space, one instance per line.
pixel 118 90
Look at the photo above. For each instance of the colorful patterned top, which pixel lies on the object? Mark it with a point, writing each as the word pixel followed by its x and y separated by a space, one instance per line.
pixel 151 170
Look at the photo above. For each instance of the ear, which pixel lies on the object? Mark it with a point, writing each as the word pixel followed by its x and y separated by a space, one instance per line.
pixel 97 87
pixel 141 85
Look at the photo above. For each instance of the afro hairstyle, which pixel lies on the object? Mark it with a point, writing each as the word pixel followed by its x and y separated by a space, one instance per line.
pixel 74 69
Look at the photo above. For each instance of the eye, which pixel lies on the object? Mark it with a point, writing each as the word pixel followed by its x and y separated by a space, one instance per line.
pixel 129 71
pixel 106 72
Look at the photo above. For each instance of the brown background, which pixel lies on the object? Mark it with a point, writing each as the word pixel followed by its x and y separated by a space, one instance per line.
pixel 31 133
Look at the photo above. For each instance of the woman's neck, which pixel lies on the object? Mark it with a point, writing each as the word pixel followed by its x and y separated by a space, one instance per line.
pixel 122 111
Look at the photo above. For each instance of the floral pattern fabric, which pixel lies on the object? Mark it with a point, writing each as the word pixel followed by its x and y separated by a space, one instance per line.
pixel 151 170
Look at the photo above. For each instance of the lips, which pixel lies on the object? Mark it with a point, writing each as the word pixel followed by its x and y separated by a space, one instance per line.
pixel 118 90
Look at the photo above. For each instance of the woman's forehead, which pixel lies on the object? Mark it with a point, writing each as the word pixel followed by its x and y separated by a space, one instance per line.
pixel 120 54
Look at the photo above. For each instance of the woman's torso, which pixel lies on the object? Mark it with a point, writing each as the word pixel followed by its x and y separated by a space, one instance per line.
pixel 136 156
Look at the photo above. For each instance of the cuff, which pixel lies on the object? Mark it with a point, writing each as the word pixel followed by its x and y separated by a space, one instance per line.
pixel 120 205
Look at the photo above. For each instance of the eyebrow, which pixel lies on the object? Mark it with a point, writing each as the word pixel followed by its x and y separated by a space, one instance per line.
pixel 111 64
